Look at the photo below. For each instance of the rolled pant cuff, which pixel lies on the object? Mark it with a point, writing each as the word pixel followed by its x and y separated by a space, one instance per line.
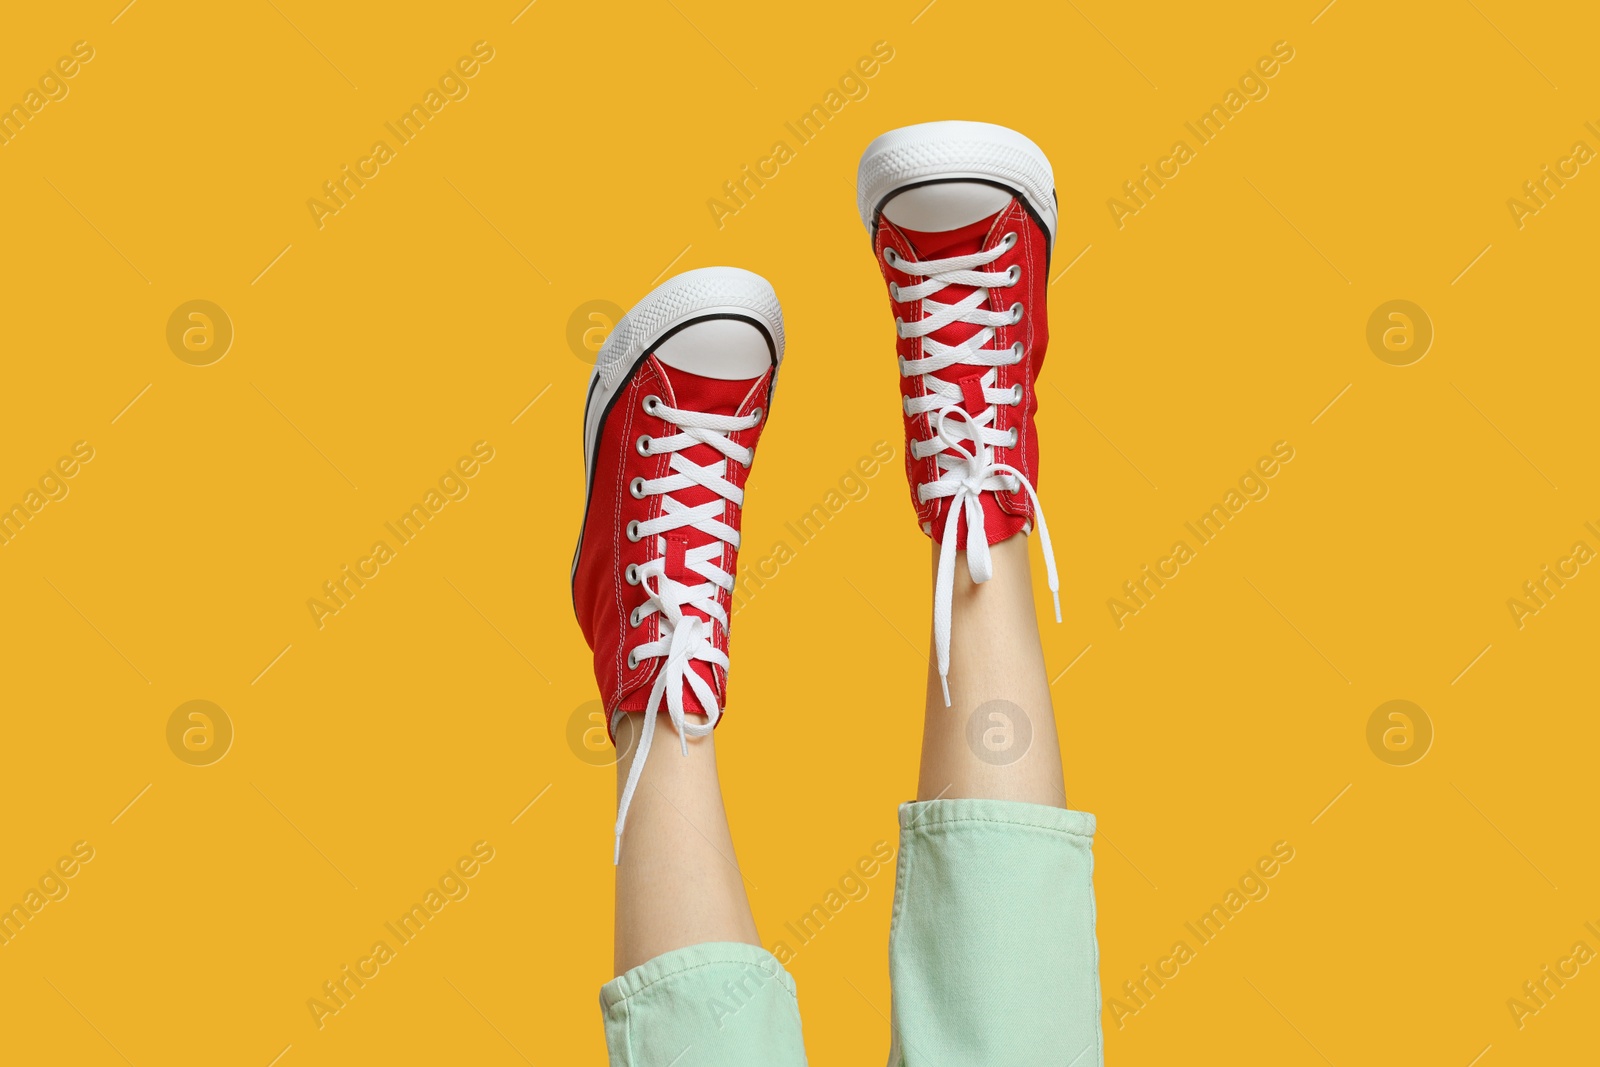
pixel 717 1003
pixel 927 814
pixel 992 953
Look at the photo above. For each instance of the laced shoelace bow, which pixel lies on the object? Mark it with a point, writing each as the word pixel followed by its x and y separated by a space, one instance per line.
pixel 683 638
pixel 965 473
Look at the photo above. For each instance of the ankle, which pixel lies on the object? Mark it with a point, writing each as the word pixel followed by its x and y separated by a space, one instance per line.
pixel 1010 561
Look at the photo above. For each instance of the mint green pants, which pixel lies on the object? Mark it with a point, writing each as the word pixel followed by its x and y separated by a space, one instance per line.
pixel 992 958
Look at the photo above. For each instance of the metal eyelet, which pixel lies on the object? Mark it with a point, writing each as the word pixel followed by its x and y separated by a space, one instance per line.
pixel 636 488
pixel 902 361
pixel 756 414
pixel 1013 274
pixel 642 446
pixel 650 404
pixel 1016 350
pixel 1008 242
pixel 891 257
pixel 633 530
pixel 633 659
pixel 1016 313
pixel 633 617
pixel 1015 437
pixel 630 574
pixel 894 291
pixel 899 327
pixel 1016 394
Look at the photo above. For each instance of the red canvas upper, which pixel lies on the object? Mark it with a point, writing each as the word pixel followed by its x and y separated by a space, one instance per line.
pixel 1005 513
pixel 602 597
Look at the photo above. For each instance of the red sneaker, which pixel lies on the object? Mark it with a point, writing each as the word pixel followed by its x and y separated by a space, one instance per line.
pixel 676 404
pixel 963 216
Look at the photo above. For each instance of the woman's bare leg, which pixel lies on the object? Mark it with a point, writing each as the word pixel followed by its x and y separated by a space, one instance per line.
pixel 678 883
pixel 996 672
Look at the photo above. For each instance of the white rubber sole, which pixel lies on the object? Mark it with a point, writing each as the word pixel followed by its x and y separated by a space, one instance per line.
pixel 680 301
pixel 955 151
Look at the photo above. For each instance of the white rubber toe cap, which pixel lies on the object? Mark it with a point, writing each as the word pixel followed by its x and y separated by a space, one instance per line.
pixel 708 293
pixel 730 349
pixel 954 151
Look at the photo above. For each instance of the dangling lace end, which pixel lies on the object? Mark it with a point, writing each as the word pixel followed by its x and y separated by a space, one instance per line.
pixel 641 752
pixel 1056 596
pixel 622 819
pixel 944 681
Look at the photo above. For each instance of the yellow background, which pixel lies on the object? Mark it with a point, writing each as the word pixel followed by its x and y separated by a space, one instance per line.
pixel 426 315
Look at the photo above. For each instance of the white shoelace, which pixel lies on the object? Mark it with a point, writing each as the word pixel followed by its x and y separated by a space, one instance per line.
pixel 683 638
pixel 964 473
